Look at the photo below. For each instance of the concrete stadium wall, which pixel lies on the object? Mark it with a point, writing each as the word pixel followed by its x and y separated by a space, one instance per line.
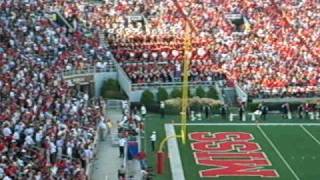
pixel 99 78
pixel 134 94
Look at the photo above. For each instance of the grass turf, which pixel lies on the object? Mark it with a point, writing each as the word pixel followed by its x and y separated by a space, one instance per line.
pixel 295 145
pixel 300 151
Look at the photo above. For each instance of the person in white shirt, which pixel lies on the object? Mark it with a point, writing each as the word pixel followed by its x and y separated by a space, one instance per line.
pixel 6 131
pixel 29 141
pixel 137 118
pixel 29 131
pixel 53 150
pixel 143 111
pixel 70 145
pixel 162 109
pixel 103 128
pixel 124 106
pixel 153 139
pixel 7 178
pixel 59 145
pixel 123 121
pixel 88 154
pixel 39 137
pixel 86 97
pixel 38 176
pixel 16 136
pixel 1 172
pixel 122 143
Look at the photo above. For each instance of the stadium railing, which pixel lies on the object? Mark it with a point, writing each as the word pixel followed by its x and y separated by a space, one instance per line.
pixel 89 166
pixel 95 144
pixel 89 70
pixel 114 104
pixel 124 80
pixel 285 99
pixel 143 86
pixel 220 94
pixel 241 94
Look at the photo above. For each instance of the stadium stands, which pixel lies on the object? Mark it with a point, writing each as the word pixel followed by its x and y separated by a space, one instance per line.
pixel 269 55
pixel 47 129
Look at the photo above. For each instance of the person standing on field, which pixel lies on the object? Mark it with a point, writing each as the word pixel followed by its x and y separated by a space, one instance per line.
pixel 162 109
pixel 153 139
pixel 264 112
pixel 241 112
pixel 143 111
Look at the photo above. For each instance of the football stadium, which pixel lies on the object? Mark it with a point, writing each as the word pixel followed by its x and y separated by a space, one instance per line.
pixel 159 89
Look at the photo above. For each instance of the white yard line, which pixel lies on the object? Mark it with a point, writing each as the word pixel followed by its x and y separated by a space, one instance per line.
pixel 309 133
pixel 278 152
pixel 249 124
pixel 174 154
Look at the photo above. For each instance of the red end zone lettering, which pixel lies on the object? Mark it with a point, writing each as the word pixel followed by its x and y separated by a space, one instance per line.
pixel 234 164
pixel 230 154
pixel 241 146
pixel 222 136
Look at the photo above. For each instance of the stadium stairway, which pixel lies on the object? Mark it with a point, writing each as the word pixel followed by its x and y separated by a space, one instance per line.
pixel 107 161
pixel 229 96
pixel 62 20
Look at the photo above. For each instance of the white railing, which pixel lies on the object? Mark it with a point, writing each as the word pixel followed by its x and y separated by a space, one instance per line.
pixel 124 80
pixel 114 104
pixel 285 99
pixel 143 86
pixel 125 157
pixel 243 96
pixel 71 29
pixel 89 70
pixel 219 91
pixel 95 144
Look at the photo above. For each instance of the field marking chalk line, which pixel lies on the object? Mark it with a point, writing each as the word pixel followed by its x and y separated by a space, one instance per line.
pixel 278 152
pixel 248 124
pixel 174 154
pixel 309 133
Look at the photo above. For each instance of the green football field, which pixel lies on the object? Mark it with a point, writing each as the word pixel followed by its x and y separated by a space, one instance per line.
pixel 292 147
pixel 293 150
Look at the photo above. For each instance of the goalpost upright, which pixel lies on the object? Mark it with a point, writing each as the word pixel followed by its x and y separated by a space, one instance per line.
pixel 185 85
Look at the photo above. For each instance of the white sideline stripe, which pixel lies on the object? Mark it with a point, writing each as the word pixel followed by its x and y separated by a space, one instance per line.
pixel 309 133
pixel 249 124
pixel 174 154
pixel 278 152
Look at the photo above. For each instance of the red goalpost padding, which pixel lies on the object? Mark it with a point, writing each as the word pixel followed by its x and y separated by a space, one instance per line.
pixel 160 162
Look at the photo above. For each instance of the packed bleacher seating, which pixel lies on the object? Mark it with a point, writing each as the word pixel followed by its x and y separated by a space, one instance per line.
pixel 47 128
pixel 274 53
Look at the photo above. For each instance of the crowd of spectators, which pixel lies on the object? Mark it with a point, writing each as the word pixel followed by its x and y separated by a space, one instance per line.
pixel 47 127
pixel 274 53
pixel 275 59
